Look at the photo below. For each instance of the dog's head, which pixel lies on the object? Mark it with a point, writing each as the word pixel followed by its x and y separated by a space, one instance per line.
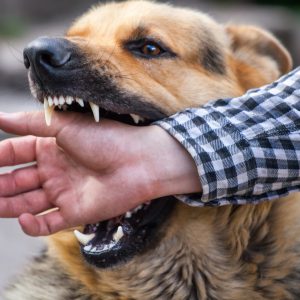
pixel 137 62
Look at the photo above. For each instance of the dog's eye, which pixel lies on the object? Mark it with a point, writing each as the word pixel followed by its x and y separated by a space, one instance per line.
pixel 148 49
pixel 151 49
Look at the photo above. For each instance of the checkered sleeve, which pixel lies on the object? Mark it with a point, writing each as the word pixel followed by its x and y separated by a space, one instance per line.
pixel 246 149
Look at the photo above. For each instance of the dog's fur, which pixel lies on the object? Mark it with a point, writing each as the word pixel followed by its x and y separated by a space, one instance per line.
pixel 225 253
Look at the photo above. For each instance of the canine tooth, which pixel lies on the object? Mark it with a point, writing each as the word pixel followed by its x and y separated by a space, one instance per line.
pixel 50 101
pixel 119 234
pixel 83 239
pixel 80 102
pixel 108 246
pixel 96 111
pixel 61 100
pixel 136 118
pixel 128 215
pixel 48 112
pixel 55 100
pixel 69 100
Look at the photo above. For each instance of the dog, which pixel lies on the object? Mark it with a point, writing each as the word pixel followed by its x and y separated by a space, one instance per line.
pixel 137 62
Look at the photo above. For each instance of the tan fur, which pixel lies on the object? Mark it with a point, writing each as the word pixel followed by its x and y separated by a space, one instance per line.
pixel 226 253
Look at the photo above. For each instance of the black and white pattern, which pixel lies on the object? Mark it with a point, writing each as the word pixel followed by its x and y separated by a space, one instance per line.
pixel 246 149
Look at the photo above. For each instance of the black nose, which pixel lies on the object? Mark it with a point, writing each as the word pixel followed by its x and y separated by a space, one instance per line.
pixel 47 54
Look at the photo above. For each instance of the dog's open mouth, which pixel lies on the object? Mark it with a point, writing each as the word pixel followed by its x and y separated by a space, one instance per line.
pixel 114 241
pixel 108 243
pixel 69 103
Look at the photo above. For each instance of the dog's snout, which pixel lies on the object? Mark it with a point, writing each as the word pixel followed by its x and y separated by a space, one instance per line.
pixel 47 54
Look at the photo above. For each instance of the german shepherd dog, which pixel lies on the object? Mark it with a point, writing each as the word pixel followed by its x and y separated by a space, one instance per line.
pixel 137 62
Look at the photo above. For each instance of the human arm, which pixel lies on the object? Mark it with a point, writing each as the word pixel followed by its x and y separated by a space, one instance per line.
pixel 246 149
pixel 88 171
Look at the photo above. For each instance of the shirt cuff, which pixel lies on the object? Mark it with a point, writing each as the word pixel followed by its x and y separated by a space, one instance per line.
pixel 225 162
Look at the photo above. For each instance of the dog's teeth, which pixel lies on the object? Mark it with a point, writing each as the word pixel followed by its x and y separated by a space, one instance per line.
pixel 61 100
pixel 138 208
pixel 94 249
pixel 80 102
pixel 128 215
pixel 50 101
pixel 88 248
pixel 119 234
pixel 96 111
pixel 48 112
pixel 136 118
pixel 83 239
pixel 55 100
pixel 69 100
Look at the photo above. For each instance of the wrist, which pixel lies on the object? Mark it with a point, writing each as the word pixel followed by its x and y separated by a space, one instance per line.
pixel 170 168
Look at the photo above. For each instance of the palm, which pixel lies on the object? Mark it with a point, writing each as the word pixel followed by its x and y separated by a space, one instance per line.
pixel 60 176
pixel 68 174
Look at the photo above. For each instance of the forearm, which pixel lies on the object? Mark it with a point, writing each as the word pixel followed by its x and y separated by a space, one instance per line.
pixel 245 149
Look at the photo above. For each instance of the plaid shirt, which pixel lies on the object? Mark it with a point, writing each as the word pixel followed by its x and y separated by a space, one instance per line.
pixel 246 149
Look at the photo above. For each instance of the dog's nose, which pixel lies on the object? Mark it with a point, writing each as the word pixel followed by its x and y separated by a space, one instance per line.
pixel 47 54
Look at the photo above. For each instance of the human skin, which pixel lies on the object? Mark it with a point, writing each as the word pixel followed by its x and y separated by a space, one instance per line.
pixel 88 171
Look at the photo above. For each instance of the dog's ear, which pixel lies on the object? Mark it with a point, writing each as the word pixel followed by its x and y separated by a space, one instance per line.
pixel 258 56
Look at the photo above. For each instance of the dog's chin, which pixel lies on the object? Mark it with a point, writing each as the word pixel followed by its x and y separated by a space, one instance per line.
pixel 116 241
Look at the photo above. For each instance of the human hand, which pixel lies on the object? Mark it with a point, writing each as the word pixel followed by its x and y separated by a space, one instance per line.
pixel 86 171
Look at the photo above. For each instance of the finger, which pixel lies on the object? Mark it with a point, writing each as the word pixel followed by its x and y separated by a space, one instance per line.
pixel 43 225
pixel 19 181
pixel 33 123
pixel 17 151
pixel 32 202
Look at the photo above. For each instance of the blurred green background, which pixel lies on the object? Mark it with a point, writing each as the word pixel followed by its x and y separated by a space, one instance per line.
pixel 23 20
